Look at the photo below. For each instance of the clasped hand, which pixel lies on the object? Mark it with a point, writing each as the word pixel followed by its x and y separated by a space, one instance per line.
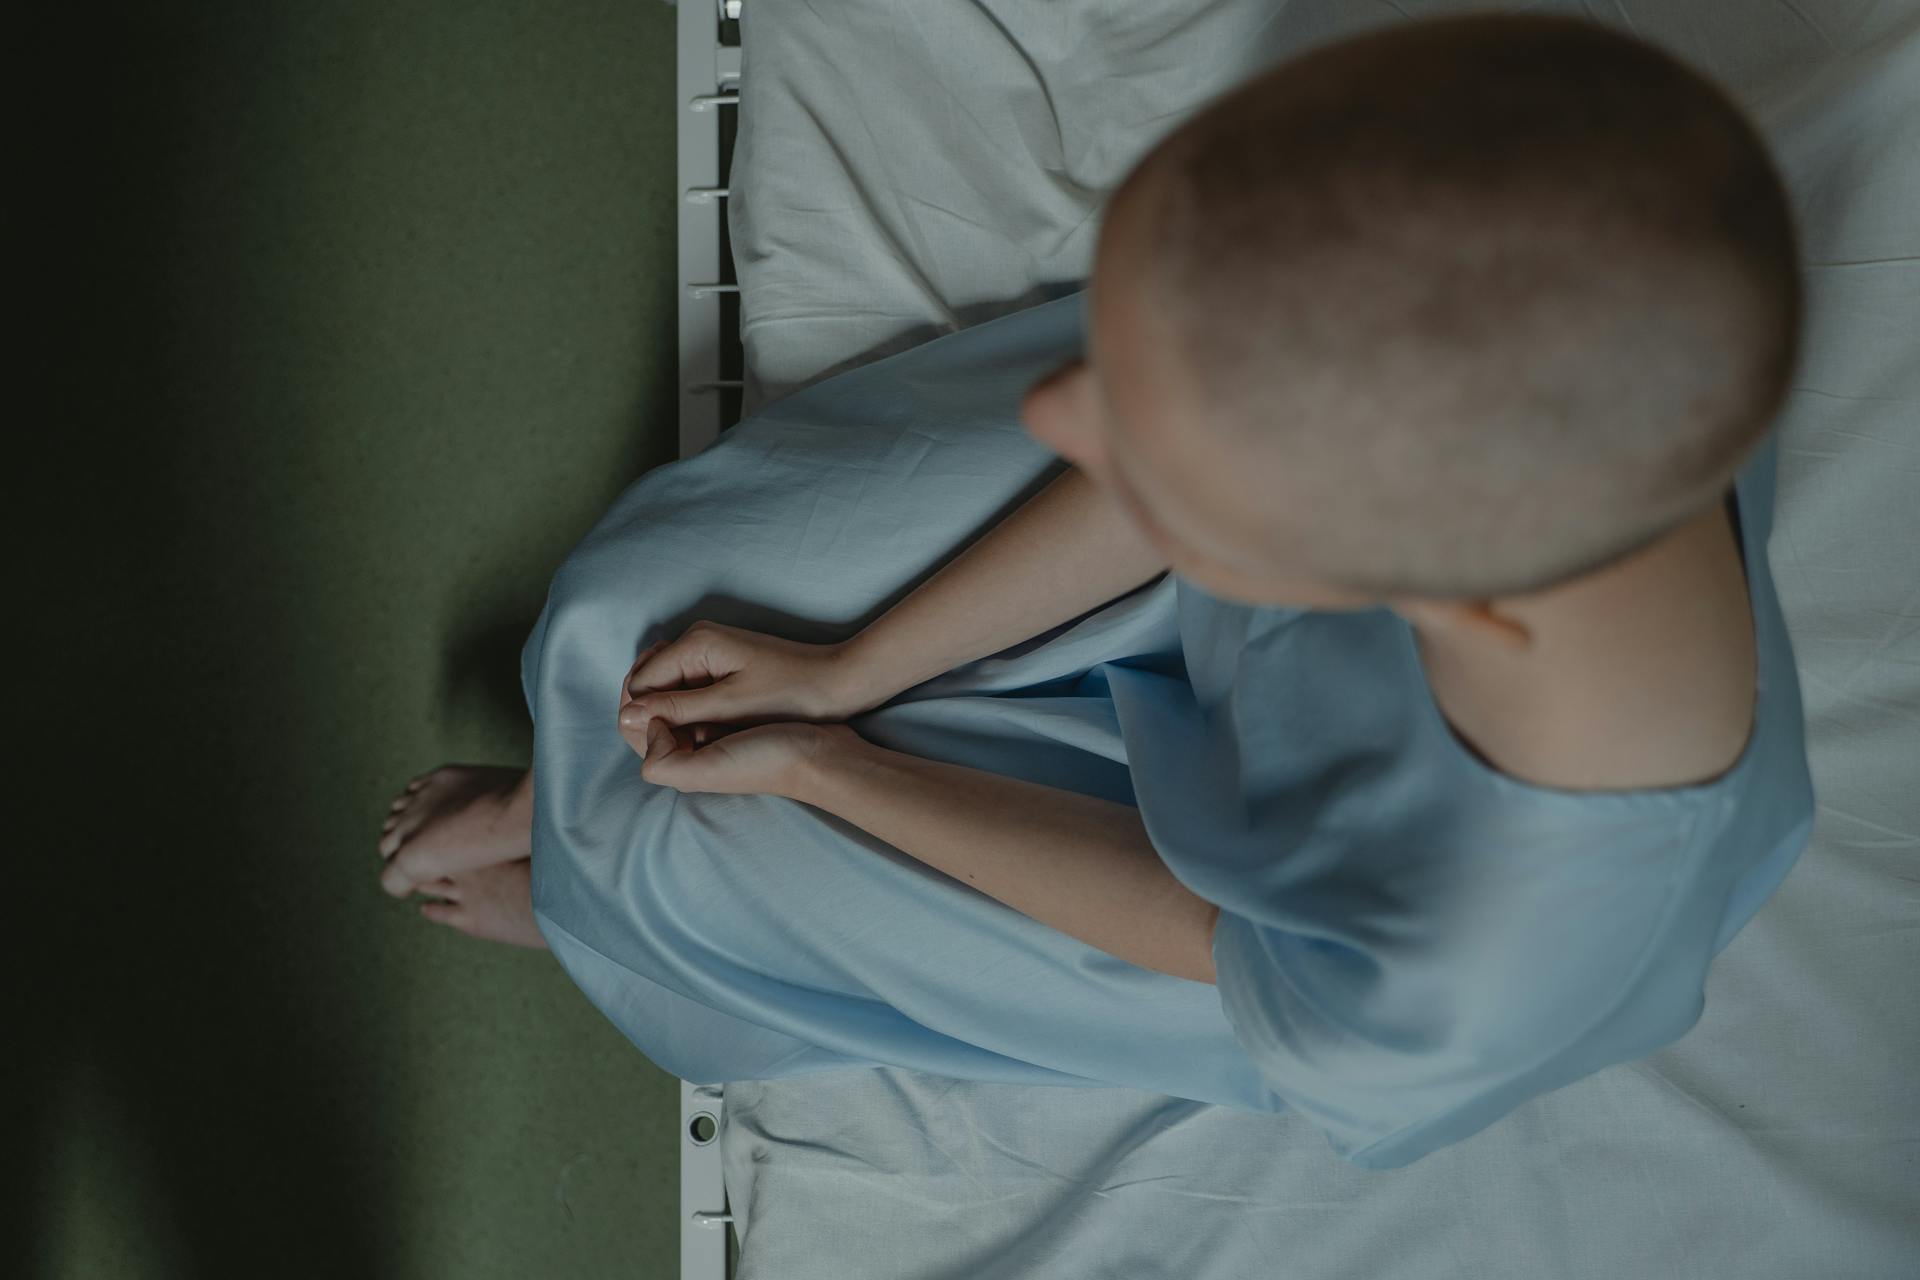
pixel 736 712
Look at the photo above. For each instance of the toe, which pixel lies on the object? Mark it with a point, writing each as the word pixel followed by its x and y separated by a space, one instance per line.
pixel 408 871
pixel 405 824
pixel 394 880
pixel 400 804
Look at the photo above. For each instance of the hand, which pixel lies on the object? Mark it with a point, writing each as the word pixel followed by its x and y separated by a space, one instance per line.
pixel 768 759
pixel 715 674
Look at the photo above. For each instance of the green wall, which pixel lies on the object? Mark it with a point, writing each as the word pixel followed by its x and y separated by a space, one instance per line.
pixel 363 314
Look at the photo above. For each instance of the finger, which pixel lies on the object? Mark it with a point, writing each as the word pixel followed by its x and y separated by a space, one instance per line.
pixel 626 681
pixel 675 706
pixel 697 658
pixel 633 728
pixel 665 756
pixel 635 735
pixel 442 888
pixel 439 912
pixel 639 661
pixel 660 743
pixel 650 753
pixel 681 707
pixel 650 663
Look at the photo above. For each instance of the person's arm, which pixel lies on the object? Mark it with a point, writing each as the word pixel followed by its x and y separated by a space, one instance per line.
pixel 1068 549
pixel 1076 862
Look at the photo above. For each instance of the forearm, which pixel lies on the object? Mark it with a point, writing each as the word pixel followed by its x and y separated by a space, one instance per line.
pixel 1068 549
pixel 1078 863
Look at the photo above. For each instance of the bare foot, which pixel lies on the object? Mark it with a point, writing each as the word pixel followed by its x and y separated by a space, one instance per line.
pixel 457 818
pixel 493 903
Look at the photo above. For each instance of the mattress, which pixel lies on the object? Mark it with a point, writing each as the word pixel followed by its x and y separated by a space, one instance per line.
pixel 902 171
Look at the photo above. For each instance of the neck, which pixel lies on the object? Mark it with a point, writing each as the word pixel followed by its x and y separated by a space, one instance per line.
pixel 1640 675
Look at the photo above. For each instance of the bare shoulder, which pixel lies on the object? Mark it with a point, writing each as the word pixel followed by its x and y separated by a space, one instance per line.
pixel 1678 696
pixel 1651 683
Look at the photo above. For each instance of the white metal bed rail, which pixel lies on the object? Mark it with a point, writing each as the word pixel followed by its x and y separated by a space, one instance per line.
pixel 706 85
pixel 706 82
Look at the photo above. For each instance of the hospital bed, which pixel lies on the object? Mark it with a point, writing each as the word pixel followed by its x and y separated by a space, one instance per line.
pixel 859 176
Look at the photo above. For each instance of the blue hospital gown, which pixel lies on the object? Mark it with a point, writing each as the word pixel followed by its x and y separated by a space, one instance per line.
pixel 1409 945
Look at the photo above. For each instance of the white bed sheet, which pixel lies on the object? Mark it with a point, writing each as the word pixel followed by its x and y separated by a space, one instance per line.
pixel 904 170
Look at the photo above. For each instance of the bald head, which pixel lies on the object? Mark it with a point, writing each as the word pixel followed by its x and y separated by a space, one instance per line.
pixel 1483 304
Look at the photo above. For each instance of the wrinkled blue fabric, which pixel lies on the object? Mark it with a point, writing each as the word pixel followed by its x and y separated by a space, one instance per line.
pixel 1410 944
